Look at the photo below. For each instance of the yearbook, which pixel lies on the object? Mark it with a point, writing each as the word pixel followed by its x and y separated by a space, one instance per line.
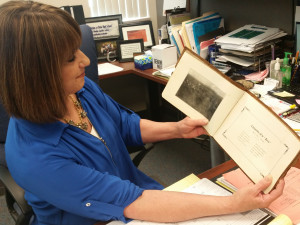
pixel 257 139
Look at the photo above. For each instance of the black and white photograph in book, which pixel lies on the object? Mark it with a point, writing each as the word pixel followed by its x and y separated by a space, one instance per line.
pixel 200 94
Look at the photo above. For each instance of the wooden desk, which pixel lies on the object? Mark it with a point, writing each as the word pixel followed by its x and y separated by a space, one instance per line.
pixel 130 69
pixel 216 171
pixel 222 168
pixel 153 83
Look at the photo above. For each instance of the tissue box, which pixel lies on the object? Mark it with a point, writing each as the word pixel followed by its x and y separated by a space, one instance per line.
pixel 164 55
pixel 143 62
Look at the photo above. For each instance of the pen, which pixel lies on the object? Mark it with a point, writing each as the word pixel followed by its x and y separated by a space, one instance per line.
pixel 292 110
pixel 295 70
pixel 296 57
pixel 296 129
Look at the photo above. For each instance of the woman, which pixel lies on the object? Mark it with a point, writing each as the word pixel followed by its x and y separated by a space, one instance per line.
pixel 66 142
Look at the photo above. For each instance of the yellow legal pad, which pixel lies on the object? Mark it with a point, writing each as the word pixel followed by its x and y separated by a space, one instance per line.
pixel 183 183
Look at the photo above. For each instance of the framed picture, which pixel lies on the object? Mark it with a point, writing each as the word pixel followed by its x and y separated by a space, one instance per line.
pixel 127 48
pixel 105 27
pixel 142 30
pixel 105 47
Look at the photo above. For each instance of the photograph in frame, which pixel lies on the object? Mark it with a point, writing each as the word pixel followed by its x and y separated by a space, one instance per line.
pixel 142 30
pixel 105 27
pixel 105 47
pixel 126 49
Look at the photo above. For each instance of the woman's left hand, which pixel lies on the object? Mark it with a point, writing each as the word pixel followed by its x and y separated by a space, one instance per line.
pixel 190 128
pixel 159 131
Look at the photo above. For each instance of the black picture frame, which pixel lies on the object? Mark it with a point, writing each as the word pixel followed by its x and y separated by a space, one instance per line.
pixel 106 46
pixel 105 27
pixel 140 30
pixel 126 48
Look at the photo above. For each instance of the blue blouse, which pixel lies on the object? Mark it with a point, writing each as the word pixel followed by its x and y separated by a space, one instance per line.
pixel 72 177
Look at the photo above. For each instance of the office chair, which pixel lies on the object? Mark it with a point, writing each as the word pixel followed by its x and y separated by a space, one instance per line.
pixel 88 47
pixel 17 206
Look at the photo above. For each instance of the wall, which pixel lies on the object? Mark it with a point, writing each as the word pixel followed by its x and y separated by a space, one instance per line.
pixel 59 3
pixel 161 20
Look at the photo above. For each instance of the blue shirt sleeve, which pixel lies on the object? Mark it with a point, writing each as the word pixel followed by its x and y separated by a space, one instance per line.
pixel 79 190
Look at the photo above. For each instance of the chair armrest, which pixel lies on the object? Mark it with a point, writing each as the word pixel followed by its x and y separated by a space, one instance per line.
pixel 144 150
pixel 16 192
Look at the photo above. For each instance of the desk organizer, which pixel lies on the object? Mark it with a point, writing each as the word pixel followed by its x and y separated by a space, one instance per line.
pixel 143 62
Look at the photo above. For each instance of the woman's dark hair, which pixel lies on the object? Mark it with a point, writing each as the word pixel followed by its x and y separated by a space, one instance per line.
pixel 35 41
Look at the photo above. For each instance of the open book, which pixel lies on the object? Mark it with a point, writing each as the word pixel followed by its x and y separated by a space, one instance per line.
pixel 259 141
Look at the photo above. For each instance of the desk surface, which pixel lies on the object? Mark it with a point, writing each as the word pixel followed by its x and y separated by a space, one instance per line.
pixel 222 168
pixel 130 69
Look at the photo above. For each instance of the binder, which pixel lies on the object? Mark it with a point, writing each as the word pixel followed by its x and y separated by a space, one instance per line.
pixel 77 13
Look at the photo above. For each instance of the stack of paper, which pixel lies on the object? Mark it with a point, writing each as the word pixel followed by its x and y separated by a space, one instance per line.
pixel 249 37
pixel 288 203
pixel 167 72
pixel 250 46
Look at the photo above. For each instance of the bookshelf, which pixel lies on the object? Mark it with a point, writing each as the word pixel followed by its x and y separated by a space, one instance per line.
pixel 275 13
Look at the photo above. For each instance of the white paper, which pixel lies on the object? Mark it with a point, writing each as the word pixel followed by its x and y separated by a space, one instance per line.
pixel 249 43
pixel 236 60
pixel 171 4
pixel 233 38
pixel 293 124
pixel 107 68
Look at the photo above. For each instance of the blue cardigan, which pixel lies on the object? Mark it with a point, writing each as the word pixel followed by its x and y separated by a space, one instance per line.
pixel 70 176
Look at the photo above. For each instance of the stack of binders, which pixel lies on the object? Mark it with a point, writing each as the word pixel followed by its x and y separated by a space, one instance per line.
pixel 194 32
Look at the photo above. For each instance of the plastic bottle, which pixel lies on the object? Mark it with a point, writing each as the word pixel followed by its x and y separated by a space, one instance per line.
pixel 286 70
pixel 277 73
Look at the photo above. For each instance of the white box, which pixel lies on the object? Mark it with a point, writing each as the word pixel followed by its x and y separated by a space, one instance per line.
pixel 164 55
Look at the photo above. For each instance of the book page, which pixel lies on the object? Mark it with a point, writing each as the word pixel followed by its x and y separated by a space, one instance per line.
pixel 200 90
pixel 258 140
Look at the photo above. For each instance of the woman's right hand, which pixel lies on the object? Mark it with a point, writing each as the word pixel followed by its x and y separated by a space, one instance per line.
pixel 252 196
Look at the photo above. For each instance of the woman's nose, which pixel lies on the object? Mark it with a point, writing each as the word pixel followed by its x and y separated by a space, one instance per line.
pixel 85 61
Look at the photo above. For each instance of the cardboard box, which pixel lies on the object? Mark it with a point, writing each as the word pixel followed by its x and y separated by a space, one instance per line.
pixel 164 55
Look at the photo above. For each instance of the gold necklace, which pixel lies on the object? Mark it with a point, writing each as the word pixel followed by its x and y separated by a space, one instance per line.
pixel 81 113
